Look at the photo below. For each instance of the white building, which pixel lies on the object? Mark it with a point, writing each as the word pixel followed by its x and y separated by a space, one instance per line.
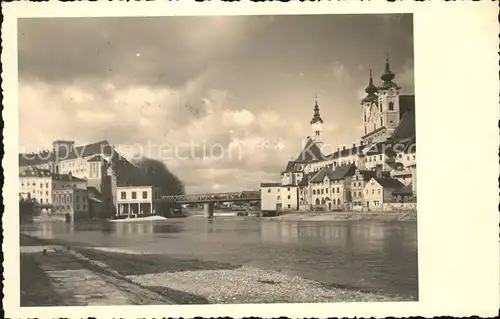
pixel 139 201
pixel 379 191
pixel 39 185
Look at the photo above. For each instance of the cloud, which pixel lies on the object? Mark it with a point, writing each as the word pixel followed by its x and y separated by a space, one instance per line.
pixel 405 77
pixel 340 72
pixel 216 145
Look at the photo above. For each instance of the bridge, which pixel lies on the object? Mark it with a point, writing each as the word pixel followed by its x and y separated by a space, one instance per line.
pixel 208 200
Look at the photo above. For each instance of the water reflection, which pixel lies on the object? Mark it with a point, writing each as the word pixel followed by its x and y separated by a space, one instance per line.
pixel 360 254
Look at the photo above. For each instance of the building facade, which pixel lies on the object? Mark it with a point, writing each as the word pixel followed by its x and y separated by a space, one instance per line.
pixel 139 201
pixel 339 180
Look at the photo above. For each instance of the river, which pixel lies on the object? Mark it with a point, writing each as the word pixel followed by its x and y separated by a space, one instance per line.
pixel 368 255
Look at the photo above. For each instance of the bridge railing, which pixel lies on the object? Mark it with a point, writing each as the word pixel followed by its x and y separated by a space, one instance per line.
pixel 212 196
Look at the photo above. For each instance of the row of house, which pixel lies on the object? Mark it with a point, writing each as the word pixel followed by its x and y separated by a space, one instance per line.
pixel 86 181
pixel 377 173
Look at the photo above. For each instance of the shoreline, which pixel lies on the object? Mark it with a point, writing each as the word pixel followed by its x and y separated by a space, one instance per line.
pixel 160 279
pixel 404 216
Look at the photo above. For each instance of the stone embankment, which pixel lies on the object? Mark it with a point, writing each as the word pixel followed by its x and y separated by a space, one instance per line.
pixel 346 216
pixel 92 276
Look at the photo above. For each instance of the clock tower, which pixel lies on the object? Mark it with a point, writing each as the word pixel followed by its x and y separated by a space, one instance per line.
pixel 388 95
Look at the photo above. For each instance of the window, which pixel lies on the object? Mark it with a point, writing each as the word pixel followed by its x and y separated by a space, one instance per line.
pixel 381 121
pixel 46 193
pixel 391 106
pixel 326 190
pixel 77 198
pixel 134 195
pixel 408 158
pixel 373 191
pixel 379 190
pixel 288 189
pixel 77 206
pixel 47 185
pixel 314 192
pixel 288 205
pixel 288 196
pixel 144 195
pixel 278 197
pixel 338 190
pixel 269 190
pixel 123 195
pixel 365 129
pixel 41 185
pixel 359 193
pixel 380 156
pixel 322 191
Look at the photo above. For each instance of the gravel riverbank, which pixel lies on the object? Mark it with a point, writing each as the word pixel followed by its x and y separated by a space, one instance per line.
pixel 192 281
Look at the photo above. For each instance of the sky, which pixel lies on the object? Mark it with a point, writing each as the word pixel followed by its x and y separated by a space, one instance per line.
pixel 223 101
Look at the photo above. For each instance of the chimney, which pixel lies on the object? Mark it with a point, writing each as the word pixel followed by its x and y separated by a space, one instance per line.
pixel 343 148
pixel 361 143
pixel 378 171
pixel 354 145
pixel 70 176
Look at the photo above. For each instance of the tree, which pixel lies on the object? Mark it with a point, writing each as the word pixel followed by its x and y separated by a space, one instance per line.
pixel 154 172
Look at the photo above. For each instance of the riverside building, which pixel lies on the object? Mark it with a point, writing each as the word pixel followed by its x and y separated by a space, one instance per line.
pixel 337 181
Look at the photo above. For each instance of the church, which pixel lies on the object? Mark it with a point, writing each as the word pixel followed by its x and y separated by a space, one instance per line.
pixel 351 178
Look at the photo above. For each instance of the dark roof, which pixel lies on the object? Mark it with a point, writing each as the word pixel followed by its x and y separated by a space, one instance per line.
pixel 102 147
pixel 94 192
pixel 270 184
pixel 35 172
pixel 32 171
pixel 404 190
pixel 406 104
pixel 367 175
pixel 389 182
pixel 340 172
pixel 344 152
pixel 291 168
pixel 406 127
pixel 310 153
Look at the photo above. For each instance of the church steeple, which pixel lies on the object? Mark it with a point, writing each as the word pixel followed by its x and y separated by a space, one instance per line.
pixel 316 124
pixel 316 115
pixel 371 89
pixel 388 75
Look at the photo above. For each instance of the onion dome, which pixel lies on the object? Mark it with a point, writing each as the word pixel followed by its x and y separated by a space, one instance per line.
pixel 316 115
pixel 370 90
pixel 387 77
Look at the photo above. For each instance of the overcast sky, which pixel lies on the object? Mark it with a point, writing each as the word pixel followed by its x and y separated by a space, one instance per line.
pixel 235 86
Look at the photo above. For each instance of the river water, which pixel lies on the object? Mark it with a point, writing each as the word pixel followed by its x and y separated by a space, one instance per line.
pixel 368 255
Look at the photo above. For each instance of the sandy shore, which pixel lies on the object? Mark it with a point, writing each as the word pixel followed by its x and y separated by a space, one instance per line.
pixel 192 281
pixel 346 216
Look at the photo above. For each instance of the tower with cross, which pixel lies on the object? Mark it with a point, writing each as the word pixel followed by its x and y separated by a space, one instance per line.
pixel 316 123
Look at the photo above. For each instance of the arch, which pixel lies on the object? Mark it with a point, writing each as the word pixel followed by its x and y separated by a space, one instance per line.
pixel 338 201
pixel 317 201
pixel 322 201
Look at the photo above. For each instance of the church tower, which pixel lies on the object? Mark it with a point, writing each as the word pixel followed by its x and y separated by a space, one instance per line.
pixel 388 101
pixel 370 107
pixel 317 125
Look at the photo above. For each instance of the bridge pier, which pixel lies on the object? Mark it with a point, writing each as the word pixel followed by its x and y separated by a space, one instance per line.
pixel 208 210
